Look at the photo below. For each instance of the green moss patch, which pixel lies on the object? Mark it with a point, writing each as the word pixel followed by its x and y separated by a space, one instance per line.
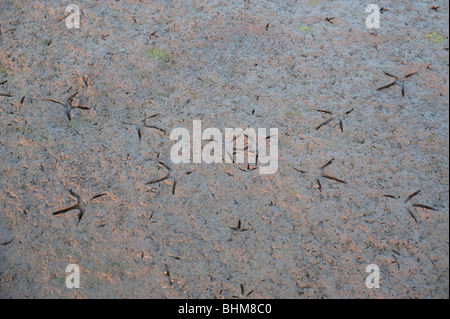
pixel 160 55
pixel 436 37
pixel 305 29
pixel 3 70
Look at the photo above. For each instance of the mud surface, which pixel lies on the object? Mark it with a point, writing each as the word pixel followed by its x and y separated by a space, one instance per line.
pixel 136 70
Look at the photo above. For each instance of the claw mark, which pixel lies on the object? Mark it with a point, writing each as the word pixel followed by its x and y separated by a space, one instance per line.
pixel 323 124
pixel 398 81
pixel 412 196
pixel 154 127
pixel 411 74
pixel 319 184
pixel 243 294
pixel 85 80
pixel 99 195
pixel 412 215
pixel 322 175
pixel 327 164
pixel 80 205
pixel 175 257
pixel 150 37
pixel 144 124
pixel 68 105
pixel 168 176
pixel 247 142
pixel 164 165
pixel 413 205
pixel 300 171
pixel 341 125
pixel 167 273
pixel 7 242
pixel 239 227
pixel 68 209
pixel 387 86
pixel 334 179
pixel 424 206
pixel 158 180
pixel 334 116
pixel 174 186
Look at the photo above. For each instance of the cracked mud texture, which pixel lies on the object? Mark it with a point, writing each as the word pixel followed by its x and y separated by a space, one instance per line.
pixel 138 69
